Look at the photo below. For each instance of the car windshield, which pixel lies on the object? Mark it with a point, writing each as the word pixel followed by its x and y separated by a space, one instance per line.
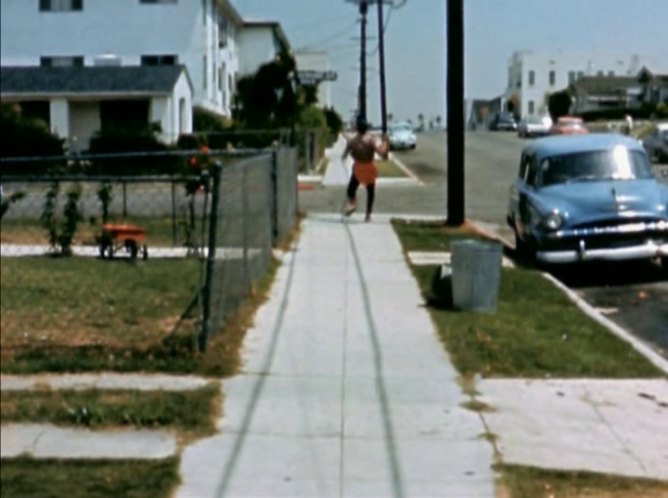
pixel 402 127
pixel 618 163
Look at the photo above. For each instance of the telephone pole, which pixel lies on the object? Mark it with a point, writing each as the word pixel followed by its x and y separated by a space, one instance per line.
pixel 362 88
pixel 455 99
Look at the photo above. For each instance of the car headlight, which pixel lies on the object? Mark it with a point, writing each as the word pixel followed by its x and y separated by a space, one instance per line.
pixel 554 221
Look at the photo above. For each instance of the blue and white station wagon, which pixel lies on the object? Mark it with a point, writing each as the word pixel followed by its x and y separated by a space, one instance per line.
pixel 588 197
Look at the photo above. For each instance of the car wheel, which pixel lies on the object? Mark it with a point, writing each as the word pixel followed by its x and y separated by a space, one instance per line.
pixel 524 250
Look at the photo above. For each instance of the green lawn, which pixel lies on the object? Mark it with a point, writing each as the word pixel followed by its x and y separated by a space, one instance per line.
pixel 536 331
pixel 115 408
pixel 530 482
pixel 29 478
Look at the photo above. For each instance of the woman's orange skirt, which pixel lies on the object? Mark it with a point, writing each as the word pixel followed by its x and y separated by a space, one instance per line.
pixel 365 172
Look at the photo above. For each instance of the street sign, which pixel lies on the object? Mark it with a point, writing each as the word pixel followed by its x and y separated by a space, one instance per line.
pixel 314 77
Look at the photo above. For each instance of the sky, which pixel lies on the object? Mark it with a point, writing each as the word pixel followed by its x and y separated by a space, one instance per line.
pixel 415 51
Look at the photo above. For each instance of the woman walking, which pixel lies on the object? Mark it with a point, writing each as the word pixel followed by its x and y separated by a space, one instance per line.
pixel 363 148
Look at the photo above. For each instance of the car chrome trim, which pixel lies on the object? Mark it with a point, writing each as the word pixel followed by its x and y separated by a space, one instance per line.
pixel 648 250
pixel 622 229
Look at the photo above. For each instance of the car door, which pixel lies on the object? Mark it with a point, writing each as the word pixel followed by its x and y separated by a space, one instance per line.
pixel 521 191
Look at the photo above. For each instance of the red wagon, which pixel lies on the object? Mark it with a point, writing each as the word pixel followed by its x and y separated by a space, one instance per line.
pixel 115 236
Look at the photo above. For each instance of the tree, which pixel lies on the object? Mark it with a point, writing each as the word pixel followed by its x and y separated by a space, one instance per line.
pixel 267 99
pixel 559 104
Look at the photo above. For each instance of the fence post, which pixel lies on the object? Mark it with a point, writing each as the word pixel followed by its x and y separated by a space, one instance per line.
pixel 274 197
pixel 203 337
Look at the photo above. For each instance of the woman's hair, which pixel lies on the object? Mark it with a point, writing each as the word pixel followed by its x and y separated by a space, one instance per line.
pixel 361 125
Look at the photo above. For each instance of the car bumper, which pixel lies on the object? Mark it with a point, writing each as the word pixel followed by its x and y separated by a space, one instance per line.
pixel 641 240
pixel 648 250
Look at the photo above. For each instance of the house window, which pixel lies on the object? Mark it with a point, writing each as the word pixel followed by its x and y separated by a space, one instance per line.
pixel 600 73
pixel 581 74
pixel 531 107
pixel 553 78
pixel 572 76
pixel 222 31
pixel 532 78
pixel 61 61
pixel 159 60
pixel 157 1
pixel 206 72
pixel 611 73
pixel 60 5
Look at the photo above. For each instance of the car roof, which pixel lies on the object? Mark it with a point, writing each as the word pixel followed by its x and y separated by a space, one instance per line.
pixel 570 144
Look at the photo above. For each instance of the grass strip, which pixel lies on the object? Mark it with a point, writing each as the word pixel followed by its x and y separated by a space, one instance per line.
pixel 193 411
pixel 536 331
pixel 30 478
pixel 389 169
pixel 531 482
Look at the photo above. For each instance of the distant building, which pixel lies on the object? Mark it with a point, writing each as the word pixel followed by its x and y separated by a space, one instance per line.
pixel 481 111
pixel 93 37
pixel 260 42
pixel 316 61
pixel 534 75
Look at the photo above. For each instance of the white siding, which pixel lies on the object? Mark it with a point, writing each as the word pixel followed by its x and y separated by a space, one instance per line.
pixel 124 28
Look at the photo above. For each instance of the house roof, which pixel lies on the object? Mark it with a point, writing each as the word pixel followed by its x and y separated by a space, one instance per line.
pixel 122 80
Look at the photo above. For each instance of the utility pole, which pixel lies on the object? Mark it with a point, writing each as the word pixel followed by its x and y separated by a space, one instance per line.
pixel 455 99
pixel 362 88
pixel 381 59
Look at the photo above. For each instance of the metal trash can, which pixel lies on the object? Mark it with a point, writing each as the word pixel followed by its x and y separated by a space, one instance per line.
pixel 476 274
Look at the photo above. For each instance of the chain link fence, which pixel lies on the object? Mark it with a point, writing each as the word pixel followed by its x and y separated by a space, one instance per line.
pixel 147 256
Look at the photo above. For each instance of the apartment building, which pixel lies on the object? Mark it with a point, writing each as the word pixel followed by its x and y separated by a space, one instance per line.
pixel 534 75
pixel 47 43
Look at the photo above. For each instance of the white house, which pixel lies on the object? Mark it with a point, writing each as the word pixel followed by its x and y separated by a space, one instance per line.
pixel 259 42
pixel 533 75
pixel 198 37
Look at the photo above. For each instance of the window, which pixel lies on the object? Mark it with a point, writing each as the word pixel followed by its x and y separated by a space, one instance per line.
pixel 531 107
pixel 60 5
pixel 532 78
pixel 61 61
pixel 222 31
pixel 611 73
pixel 157 1
pixel 572 76
pixel 581 74
pixel 159 60
pixel 600 73
pixel 205 72
pixel 553 78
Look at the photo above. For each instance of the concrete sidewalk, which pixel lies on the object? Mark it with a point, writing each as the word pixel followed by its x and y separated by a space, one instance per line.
pixel 346 390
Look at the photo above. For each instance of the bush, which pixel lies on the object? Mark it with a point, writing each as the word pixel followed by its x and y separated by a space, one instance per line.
pixel 23 137
pixel 121 141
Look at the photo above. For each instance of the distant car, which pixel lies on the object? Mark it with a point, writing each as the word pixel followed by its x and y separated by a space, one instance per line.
pixel 568 125
pixel 589 197
pixel 401 136
pixel 534 126
pixel 656 144
pixel 503 121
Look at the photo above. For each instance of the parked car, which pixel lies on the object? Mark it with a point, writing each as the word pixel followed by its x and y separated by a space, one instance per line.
pixel 503 121
pixel 656 144
pixel 588 197
pixel 568 125
pixel 401 136
pixel 534 126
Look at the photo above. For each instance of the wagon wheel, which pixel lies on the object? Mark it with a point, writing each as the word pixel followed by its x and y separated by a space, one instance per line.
pixel 106 246
pixel 132 248
pixel 144 252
